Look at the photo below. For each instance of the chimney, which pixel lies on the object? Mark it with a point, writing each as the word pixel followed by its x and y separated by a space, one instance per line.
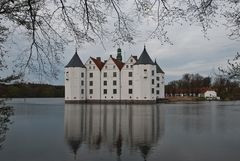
pixel 98 58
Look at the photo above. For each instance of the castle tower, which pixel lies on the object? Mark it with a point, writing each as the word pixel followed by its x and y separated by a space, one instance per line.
pixel 75 80
pixel 144 71
pixel 119 54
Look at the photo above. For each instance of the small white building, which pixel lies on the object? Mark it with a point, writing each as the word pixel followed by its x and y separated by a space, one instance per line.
pixel 136 80
pixel 210 94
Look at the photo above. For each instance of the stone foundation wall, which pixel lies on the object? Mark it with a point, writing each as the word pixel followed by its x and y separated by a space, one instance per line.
pixel 112 101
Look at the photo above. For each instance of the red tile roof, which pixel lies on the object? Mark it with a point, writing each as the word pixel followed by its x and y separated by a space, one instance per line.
pixel 118 63
pixel 98 63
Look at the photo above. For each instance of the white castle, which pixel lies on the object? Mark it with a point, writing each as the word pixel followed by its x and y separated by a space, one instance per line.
pixel 137 80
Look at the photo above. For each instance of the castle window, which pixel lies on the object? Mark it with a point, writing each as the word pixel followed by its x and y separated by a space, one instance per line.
pixel 113 66
pixel 130 82
pixel 152 72
pixel 131 60
pixel 104 83
pixel 90 83
pixel 114 74
pixel 90 62
pixel 90 91
pixel 67 76
pixel 90 75
pixel 82 91
pixel 145 70
pixel 158 85
pixel 105 67
pixel 114 82
pixel 105 74
pixel 152 81
pixel 157 78
pixel 82 74
pixel 130 91
pixel 152 90
pixel 131 66
pixel 89 67
pixel 114 91
pixel 104 91
pixel 82 83
pixel 93 67
pixel 126 66
pixel 129 74
pixel 157 91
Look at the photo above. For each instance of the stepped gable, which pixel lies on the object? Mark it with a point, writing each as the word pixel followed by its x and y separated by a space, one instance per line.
pixel 159 70
pixel 98 63
pixel 75 62
pixel 118 63
pixel 144 58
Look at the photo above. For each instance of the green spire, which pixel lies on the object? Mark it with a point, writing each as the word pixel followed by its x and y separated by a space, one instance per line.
pixel 119 54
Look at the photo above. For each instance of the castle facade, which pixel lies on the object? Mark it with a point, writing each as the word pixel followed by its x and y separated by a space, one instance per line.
pixel 136 80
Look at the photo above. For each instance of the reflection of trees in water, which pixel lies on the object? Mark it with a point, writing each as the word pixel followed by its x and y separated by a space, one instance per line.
pixel 5 113
pixel 112 126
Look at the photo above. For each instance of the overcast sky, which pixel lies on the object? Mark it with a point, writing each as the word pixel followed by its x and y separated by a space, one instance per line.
pixel 191 52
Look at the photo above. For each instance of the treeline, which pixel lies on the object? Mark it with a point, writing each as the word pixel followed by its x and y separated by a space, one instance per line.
pixel 195 84
pixel 28 90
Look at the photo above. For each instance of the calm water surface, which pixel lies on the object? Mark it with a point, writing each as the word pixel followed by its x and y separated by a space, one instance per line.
pixel 49 130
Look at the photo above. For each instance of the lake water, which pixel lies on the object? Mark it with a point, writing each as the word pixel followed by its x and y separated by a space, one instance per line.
pixel 49 130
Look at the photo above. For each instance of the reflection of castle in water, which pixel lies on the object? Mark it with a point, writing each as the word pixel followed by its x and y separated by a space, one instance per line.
pixel 112 126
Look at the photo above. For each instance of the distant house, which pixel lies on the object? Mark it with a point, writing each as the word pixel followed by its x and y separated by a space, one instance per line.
pixel 210 95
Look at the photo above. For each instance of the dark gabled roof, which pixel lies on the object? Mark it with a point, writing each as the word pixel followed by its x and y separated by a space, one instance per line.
pixel 159 70
pixel 144 58
pixel 75 62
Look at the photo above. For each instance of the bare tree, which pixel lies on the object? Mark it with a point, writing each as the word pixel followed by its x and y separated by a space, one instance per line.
pixel 50 24
pixel 232 71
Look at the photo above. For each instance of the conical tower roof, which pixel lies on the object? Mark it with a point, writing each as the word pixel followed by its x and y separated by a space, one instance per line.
pixel 75 62
pixel 144 58
pixel 159 70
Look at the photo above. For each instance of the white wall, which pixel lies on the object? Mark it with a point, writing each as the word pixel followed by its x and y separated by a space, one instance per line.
pixel 128 67
pixel 143 82
pixel 73 87
pixel 210 94
pixel 109 68
pixel 92 68
pixel 161 87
